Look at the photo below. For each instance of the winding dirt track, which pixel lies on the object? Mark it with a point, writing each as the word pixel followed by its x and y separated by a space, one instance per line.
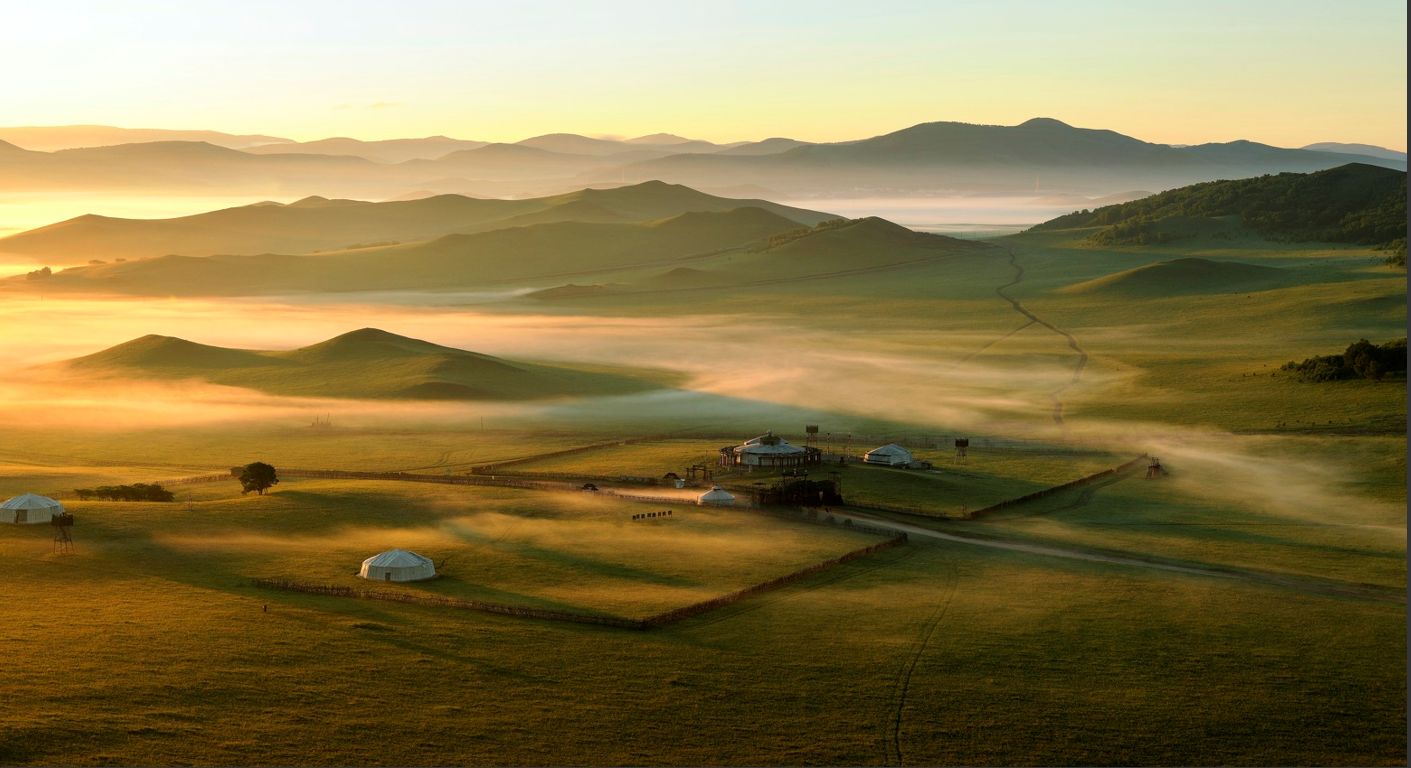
pixel 1305 584
pixel 1057 395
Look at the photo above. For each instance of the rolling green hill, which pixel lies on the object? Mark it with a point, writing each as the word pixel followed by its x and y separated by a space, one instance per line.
pixel 1354 203
pixel 368 363
pixel 316 223
pixel 1184 276
pixel 502 257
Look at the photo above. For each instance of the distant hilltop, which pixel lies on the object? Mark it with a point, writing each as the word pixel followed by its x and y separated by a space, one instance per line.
pixel 369 363
pixel 1038 156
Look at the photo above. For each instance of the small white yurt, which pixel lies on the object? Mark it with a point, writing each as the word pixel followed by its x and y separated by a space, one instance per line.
pixel 30 508
pixel 717 496
pixel 397 565
pixel 891 454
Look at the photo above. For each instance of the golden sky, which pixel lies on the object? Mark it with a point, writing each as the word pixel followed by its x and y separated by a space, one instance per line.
pixel 1286 73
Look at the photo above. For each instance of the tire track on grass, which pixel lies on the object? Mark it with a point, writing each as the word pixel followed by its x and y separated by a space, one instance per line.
pixel 1057 395
pixel 901 687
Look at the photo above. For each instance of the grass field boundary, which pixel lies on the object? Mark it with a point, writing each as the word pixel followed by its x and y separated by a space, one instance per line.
pixel 656 621
pixel 685 612
pixel 1071 484
pixel 334 590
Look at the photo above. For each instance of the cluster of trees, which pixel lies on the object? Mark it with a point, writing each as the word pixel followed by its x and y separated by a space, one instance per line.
pixel 784 238
pixel 1355 203
pixel 134 492
pixel 39 274
pixel 1362 360
pixel 258 477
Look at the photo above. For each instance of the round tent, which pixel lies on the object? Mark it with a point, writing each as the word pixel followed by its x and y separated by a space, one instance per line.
pixel 890 454
pixel 30 508
pixel 769 450
pixel 397 565
pixel 717 496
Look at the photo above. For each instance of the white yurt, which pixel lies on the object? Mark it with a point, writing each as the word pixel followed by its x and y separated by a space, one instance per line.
pixel 398 565
pixel 717 496
pixel 891 454
pixel 30 508
pixel 769 450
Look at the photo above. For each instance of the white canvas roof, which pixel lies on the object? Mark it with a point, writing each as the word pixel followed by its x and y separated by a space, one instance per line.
pixel 716 495
pixel 769 444
pixel 890 449
pixel 397 558
pixel 33 501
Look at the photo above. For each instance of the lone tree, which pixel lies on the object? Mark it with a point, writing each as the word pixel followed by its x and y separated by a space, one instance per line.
pixel 257 477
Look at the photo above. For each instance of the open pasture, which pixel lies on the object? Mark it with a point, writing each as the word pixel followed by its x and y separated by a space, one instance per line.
pixel 563 551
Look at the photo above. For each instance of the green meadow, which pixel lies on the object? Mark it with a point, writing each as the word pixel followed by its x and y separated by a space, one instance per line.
pixel 151 645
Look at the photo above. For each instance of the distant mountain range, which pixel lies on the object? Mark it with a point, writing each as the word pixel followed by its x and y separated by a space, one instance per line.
pixel 1042 156
pixel 319 224
pixel 367 363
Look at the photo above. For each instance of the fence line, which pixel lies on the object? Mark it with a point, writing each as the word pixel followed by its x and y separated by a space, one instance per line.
pixel 656 621
pixel 1057 488
pixel 289 585
pixel 672 616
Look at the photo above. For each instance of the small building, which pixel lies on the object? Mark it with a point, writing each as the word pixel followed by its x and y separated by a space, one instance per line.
pixel 398 565
pixel 769 450
pixel 717 496
pixel 891 454
pixel 30 508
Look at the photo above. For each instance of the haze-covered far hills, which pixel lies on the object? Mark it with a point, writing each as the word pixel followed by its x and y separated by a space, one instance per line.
pixel 731 248
pixel 498 258
pixel 383 151
pixel 1040 156
pixel 1357 149
pixel 1353 203
pixel 368 364
pixel 50 138
pixel 319 224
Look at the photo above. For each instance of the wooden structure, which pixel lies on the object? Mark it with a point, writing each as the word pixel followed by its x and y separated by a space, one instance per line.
pixel 962 445
pixel 63 536
pixel 1154 468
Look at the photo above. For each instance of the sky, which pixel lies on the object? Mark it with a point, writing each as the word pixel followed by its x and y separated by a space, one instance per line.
pixel 1285 72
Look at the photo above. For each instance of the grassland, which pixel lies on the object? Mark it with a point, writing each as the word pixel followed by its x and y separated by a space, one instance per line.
pixel 931 653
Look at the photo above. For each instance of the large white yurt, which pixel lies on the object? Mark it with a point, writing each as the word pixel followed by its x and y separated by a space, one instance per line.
pixel 30 508
pixel 769 451
pixel 891 454
pixel 717 496
pixel 398 565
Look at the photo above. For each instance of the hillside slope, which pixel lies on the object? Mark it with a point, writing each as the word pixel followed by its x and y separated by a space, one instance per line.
pixel 1354 203
pixel 367 363
pixel 315 223
pixel 510 257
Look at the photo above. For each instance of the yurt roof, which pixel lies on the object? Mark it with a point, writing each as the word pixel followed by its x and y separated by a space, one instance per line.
pixel 397 558
pixel 890 449
pixel 770 443
pixel 717 494
pixel 31 501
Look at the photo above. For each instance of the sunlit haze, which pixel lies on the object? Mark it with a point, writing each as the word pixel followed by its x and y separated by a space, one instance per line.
pixel 1284 73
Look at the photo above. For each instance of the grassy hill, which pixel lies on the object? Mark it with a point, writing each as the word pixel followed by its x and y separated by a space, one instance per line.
pixel 1184 276
pixel 316 223
pixel 368 363
pixel 513 256
pixel 1354 203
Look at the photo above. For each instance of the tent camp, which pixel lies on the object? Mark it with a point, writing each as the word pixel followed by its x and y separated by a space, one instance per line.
pixel 397 565
pixel 30 508
pixel 717 496
pixel 891 454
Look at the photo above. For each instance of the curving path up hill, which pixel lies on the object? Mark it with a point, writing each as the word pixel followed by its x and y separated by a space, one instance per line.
pixel 1056 395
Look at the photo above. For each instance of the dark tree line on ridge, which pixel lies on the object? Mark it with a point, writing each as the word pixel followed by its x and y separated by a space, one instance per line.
pixel 1361 360
pixel 1354 203
pixel 134 492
